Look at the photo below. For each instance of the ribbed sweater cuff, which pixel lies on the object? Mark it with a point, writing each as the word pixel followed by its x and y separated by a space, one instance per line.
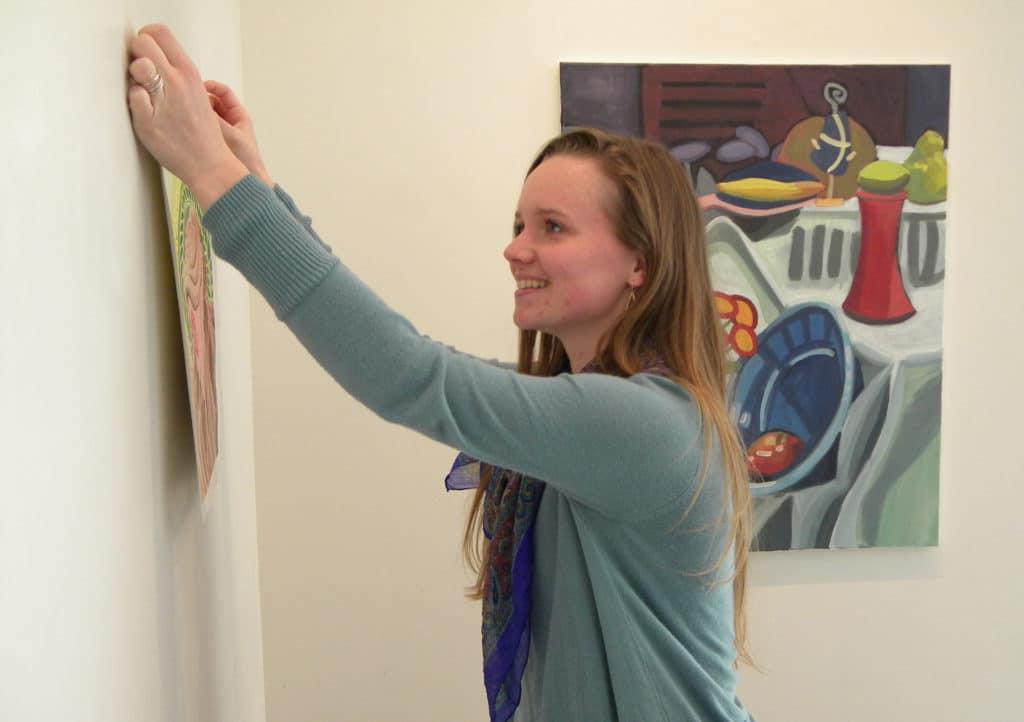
pixel 300 216
pixel 289 203
pixel 254 232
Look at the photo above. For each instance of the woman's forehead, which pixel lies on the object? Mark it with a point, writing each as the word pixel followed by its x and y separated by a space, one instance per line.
pixel 573 185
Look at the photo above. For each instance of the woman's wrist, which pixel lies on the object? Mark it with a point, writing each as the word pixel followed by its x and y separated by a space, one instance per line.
pixel 260 171
pixel 217 180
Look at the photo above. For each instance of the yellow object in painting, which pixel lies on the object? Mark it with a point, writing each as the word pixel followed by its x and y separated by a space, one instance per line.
pixel 928 170
pixel 725 305
pixel 767 190
pixel 883 177
pixel 743 340
pixel 746 314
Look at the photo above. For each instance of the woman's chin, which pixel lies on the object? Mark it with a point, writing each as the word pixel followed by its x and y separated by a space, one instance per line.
pixel 524 323
pixel 521 321
pixel 530 322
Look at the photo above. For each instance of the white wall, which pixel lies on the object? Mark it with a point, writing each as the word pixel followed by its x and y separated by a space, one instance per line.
pixel 404 129
pixel 118 599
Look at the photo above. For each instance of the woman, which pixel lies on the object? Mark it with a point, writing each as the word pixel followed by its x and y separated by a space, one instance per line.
pixel 612 487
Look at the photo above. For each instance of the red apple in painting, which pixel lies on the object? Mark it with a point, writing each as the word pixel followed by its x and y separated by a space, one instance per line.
pixel 774 453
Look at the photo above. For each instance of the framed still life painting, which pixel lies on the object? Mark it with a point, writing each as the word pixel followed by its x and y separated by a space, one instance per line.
pixel 824 195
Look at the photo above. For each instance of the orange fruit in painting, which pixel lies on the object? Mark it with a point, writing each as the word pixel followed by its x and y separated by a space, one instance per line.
pixel 744 340
pixel 746 313
pixel 724 304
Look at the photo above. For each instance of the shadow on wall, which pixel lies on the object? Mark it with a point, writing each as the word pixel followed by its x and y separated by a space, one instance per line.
pixel 173 469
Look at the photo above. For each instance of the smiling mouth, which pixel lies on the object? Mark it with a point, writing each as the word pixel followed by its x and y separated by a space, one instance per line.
pixel 530 283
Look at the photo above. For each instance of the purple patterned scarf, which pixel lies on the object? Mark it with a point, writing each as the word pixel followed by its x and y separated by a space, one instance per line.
pixel 509 509
pixel 510 505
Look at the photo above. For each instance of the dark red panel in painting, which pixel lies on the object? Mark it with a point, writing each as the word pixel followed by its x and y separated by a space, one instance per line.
pixel 681 103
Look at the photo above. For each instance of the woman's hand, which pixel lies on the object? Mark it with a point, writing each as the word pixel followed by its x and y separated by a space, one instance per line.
pixel 172 116
pixel 237 129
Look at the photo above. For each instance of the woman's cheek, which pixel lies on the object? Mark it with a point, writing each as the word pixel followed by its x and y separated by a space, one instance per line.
pixel 575 298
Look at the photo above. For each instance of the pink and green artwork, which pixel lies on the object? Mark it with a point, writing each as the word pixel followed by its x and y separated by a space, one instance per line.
pixel 193 273
pixel 824 193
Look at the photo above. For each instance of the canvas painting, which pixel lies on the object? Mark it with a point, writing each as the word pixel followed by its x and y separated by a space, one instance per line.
pixel 824 194
pixel 193 273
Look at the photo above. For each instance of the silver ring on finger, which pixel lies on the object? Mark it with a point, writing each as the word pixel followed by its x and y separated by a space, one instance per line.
pixel 154 84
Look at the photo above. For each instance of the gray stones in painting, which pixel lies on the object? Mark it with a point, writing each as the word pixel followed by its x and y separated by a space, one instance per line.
pixel 748 143
pixel 691 152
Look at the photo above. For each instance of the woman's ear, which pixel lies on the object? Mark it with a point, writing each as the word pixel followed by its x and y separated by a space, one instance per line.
pixel 639 275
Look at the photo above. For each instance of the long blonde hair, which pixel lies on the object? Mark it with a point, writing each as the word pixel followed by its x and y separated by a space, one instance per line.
pixel 656 212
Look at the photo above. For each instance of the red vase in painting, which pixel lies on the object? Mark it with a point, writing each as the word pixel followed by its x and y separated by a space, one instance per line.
pixel 877 294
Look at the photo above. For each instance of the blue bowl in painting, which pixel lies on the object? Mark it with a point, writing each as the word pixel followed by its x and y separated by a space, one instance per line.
pixel 801 381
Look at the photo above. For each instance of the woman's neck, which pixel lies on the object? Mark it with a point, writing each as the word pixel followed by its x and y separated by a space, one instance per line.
pixel 579 354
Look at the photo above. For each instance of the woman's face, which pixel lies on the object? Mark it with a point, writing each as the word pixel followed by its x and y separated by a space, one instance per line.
pixel 573 274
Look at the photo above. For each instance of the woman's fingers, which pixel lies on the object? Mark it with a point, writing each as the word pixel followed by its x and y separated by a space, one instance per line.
pixel 222 112
pixel 222 91
pixel 169 45
pixel 143 71
pixel 141 104
pixel 144 46
pixel 228 105
pixel 231 135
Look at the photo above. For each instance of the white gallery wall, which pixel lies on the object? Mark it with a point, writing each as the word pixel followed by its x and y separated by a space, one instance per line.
pixel 119 599
pixel 404 129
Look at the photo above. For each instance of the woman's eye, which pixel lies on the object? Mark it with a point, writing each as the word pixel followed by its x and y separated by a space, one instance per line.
pixel 517 228
pixel 553 227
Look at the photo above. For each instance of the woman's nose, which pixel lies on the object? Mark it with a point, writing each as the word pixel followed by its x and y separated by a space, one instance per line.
pixel 519 250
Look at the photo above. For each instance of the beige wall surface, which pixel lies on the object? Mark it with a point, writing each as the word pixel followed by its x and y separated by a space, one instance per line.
pixel 404 129
pixel 119 599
